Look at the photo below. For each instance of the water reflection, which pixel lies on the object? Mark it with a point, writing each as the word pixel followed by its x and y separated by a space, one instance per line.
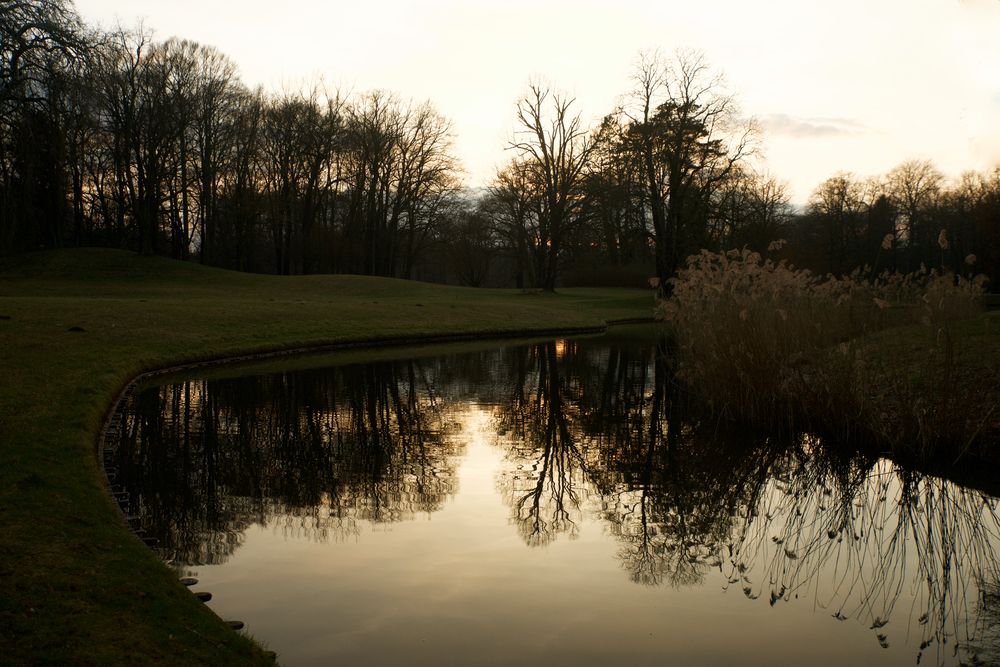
pixel 587 430
pixel 325 450
pixel 861 537
pixel 544 481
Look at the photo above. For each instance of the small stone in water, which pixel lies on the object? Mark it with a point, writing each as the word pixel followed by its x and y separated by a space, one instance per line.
pixel 189 581
pixel 203 596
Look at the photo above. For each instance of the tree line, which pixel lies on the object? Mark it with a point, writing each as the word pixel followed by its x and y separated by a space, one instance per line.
pixel 909 217
pixel 114 139
pixel 111 138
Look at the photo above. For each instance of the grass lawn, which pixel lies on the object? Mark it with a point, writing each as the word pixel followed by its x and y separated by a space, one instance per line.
pixel 75 586
pixel 938 383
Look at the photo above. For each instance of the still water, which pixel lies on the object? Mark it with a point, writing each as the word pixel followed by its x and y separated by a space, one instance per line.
pixel 550 503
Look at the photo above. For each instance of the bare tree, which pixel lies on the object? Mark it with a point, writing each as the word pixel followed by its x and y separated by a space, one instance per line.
pixel 914 188
pixel 300 139
pixel 553 148
pixel 424 185
pixel 752 210
pixel 238 215
pixel 470 240
pixel 837 206
pixel 512 207
pixel 215 94
pixel 399 173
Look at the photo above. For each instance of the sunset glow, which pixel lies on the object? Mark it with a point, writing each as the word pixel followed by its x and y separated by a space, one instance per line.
pixel 855 86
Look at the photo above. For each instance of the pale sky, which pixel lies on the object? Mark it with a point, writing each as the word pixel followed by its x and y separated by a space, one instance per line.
pixel 852 85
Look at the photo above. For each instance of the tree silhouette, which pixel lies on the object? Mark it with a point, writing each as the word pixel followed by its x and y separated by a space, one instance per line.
pixel 553 149
pixel 684 134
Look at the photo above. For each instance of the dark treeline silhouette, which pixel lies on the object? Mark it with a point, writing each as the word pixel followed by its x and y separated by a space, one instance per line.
pixel 113 139
pixel 900 221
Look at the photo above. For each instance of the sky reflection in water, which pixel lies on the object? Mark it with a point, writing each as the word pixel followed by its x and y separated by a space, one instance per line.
pixel 552 504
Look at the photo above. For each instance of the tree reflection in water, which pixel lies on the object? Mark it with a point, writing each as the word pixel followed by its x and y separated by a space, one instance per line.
pixel 606 430
pixel 605 425
pixel 323 449
pixel 588 430
pixel 544 484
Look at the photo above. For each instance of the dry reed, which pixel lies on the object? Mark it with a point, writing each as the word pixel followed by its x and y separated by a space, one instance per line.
pixel 780 347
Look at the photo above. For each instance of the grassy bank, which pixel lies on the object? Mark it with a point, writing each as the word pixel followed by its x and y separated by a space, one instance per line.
pixel 934 390
pixel 75 326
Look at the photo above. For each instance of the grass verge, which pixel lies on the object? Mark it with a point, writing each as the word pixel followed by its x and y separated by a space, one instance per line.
pixel 934 390
pixel 75 326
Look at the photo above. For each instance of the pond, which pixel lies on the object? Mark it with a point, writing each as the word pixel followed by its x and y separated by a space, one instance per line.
pixel 548 503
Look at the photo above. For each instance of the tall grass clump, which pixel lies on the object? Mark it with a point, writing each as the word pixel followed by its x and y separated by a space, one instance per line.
pixel 780 347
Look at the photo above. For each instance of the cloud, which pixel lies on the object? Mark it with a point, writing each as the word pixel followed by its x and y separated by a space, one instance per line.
pixel 978 4
pixel 809 127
